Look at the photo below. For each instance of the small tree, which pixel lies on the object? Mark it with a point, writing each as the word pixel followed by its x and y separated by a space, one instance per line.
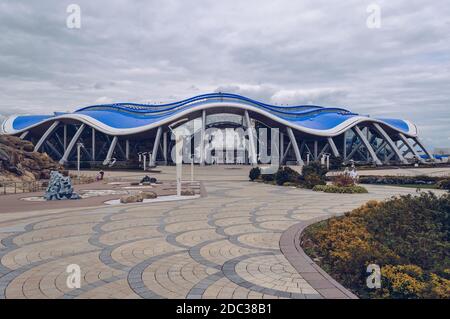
pixel 255 173
pixel 313 174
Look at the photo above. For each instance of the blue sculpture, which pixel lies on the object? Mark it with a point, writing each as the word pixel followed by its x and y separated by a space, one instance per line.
pixel 60 187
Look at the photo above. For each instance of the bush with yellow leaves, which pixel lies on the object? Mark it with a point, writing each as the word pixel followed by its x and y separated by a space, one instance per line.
pixel 406 236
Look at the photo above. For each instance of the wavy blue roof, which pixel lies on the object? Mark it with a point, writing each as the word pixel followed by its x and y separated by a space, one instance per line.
pixel 134 115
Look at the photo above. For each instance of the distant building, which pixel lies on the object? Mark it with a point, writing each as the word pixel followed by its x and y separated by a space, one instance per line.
pixel 442 151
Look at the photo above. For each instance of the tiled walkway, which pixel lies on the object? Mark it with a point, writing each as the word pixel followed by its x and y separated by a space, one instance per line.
pixel 225 245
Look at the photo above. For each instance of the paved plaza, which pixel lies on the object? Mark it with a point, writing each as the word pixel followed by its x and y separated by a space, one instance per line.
pixel 225 244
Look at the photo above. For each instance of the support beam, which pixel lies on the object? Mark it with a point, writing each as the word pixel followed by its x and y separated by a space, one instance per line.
pixel 295 146
pixel 23 135
pixel 202 139
pixel 93 144
pixel 65 137
pixel 165 147
pixel 366 143
pixel 344 147
pixel 353 151
pixel 334 149
pixel 110 151
pixel 391 143
pixel 410 147
pixel 281 148
pixel 388 158
pixel 399 145
pixel 316 149
pixel 286 151
pixel 251 137
pixel 324 149
pixel 59 141
pixel 46 135
pixel 72 143
pixel 121 149
pixel 305 146
pixel 419 142
pixel 380 148
pixel 155 146
pixel 127 149
pixel 302 147
pixel 53 148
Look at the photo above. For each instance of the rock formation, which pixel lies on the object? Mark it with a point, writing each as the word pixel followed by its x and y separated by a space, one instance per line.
pixel 128 199
pixel 18 162
pixel 60 187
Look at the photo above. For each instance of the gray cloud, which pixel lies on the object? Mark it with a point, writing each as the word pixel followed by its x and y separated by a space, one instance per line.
pixel 279 52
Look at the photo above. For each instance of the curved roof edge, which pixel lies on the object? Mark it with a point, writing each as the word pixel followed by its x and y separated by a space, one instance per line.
pixel 124 119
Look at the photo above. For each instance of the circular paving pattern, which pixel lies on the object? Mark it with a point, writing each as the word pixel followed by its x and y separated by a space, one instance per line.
pixel 225 245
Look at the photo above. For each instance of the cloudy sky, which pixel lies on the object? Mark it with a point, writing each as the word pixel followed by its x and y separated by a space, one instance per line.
pixel 289 52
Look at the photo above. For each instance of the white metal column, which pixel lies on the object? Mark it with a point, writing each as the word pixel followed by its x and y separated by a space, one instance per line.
pixel 127 149
pixel 65 137
pixel 46 135
pixel 110 151
pixel 419 142
pixel 165 147
pixel 74 139
pixel 391 143
pixel 93 144
pixel 333 147
pixel 202 138
pixel 366 143
pixel 411 148
pixel 345 146
pixel 24 134
pixel 251 138
pixel 316 149
pixel 155 146
pixel 298 156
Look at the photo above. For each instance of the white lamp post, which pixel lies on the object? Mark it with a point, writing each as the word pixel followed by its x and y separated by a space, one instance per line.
pixel 179 160
pixel 327 159
pixel 79 146
pixel 144 160
pixel 192 168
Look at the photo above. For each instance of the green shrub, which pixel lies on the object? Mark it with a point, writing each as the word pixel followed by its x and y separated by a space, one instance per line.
pixel 444 184
pixel 340 189
pixel 267 177
pixel 312 175
pixel 290 184
pixel 399 180
pixel 255 173
pixel 312 179
pixel 314 168
pixel 319 188
pixel 286 174
pixel 407 236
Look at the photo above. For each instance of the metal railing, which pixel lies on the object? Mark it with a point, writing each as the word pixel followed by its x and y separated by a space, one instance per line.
pixel 13 187
pixel 10 187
